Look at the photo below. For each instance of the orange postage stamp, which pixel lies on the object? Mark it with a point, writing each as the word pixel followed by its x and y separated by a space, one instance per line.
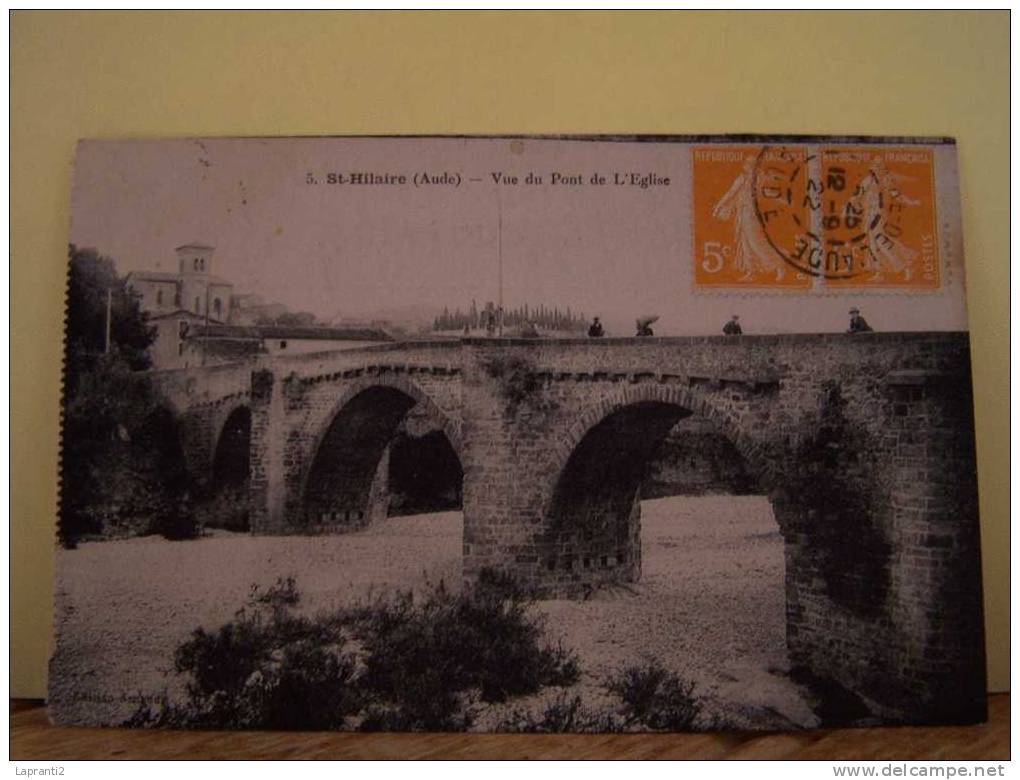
pixel 801 217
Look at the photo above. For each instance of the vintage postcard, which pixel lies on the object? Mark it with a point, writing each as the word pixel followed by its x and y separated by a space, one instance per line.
pixel 532 434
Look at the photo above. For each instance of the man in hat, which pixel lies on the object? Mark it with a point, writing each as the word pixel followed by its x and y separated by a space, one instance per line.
pixel 857 323
pixel 595 330
pixel 732 328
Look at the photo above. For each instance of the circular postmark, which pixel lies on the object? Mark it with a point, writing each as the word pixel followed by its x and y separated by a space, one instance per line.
pixel 830 213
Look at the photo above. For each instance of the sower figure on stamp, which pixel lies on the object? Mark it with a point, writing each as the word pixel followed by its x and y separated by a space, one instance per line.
pixel 732 328
pixel 595 330
pixel 887 253
pixel 753 254
pixel 857 323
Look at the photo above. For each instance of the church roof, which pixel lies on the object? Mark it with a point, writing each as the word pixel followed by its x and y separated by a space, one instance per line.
pixel 155 276
pixel 170 276
pixel 296 333
pixel 179 314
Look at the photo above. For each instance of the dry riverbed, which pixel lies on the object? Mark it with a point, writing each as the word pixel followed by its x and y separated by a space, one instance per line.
pixel 709 606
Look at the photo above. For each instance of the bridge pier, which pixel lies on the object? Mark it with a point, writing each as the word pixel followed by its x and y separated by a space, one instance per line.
pixel 888 604
pixel 267 494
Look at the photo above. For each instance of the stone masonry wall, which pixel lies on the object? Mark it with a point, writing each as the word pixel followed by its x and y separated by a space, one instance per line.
pixel 202 399
pixel 894 636
pixel 305 396
pixel 863 443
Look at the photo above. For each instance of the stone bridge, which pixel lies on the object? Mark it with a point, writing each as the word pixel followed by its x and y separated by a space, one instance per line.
pixel 863 444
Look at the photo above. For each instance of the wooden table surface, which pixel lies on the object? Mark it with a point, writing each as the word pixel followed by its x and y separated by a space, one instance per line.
pixel 33 738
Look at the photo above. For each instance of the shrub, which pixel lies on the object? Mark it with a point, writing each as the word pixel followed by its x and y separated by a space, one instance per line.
pixel 563 715
pixel 173 517
pixel 828 483
pixel 655 697
pixel 391 664
pixel 518 382
pixel 226 509
pixel 421 656
pixel 283 672
pixel 280 595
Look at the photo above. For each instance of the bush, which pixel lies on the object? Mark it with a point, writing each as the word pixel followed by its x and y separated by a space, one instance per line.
pixel 173 517
pixel 562 716
pixel 279 596
pixel 518 383
pixel 274 671
pixel 656 698
pixel 226 509
pixel 421 656
pixel 828 483
pixel 393 664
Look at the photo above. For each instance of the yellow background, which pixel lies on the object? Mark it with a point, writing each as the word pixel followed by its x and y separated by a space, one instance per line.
pixel 116 74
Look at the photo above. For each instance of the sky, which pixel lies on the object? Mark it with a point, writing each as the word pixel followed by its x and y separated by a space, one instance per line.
pixel 281 230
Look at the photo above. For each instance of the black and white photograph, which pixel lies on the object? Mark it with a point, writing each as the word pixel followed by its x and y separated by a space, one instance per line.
pixel 517 434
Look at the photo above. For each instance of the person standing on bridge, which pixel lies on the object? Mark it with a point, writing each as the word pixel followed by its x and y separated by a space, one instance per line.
pixel 857 323
pixel 595 330
pixel 732 328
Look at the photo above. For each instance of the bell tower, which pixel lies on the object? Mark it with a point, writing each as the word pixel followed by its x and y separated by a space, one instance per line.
pixel 195 259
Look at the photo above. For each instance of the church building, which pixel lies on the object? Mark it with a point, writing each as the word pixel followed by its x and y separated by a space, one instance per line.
pixel 177 302
pixel 199 321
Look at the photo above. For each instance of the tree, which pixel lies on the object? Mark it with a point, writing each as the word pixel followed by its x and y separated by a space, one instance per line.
pixel 91 279
pixel 119 455
pixel 296 319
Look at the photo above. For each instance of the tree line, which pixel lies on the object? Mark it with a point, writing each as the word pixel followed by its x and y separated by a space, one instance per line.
pixel 121 465
pixel 542 316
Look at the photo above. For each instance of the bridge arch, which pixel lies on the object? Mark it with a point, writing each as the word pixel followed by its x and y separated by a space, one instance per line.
pixel 231 460
pixel 345 484
pixel 591 511
pixel 163 437
pixel 690 401
pixel 227 485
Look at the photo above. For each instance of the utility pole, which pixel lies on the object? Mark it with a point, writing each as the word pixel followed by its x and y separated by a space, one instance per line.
pixel 499 252
pixel 109 313
pixel 206 321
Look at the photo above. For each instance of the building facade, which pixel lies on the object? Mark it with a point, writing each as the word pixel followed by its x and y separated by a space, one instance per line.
pixel 193 288
pixel 199 320
pixel 178 301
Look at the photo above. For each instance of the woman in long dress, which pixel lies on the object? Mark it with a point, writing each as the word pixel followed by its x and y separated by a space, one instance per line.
pixel 752 252
pixel 888 253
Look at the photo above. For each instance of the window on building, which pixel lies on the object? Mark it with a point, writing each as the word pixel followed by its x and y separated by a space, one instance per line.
pixel 159 297
pixel 283 345
pixel 217 307
pixel 196 263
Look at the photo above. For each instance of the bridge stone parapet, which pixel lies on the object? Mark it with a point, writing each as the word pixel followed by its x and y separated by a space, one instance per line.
pixel 436 356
